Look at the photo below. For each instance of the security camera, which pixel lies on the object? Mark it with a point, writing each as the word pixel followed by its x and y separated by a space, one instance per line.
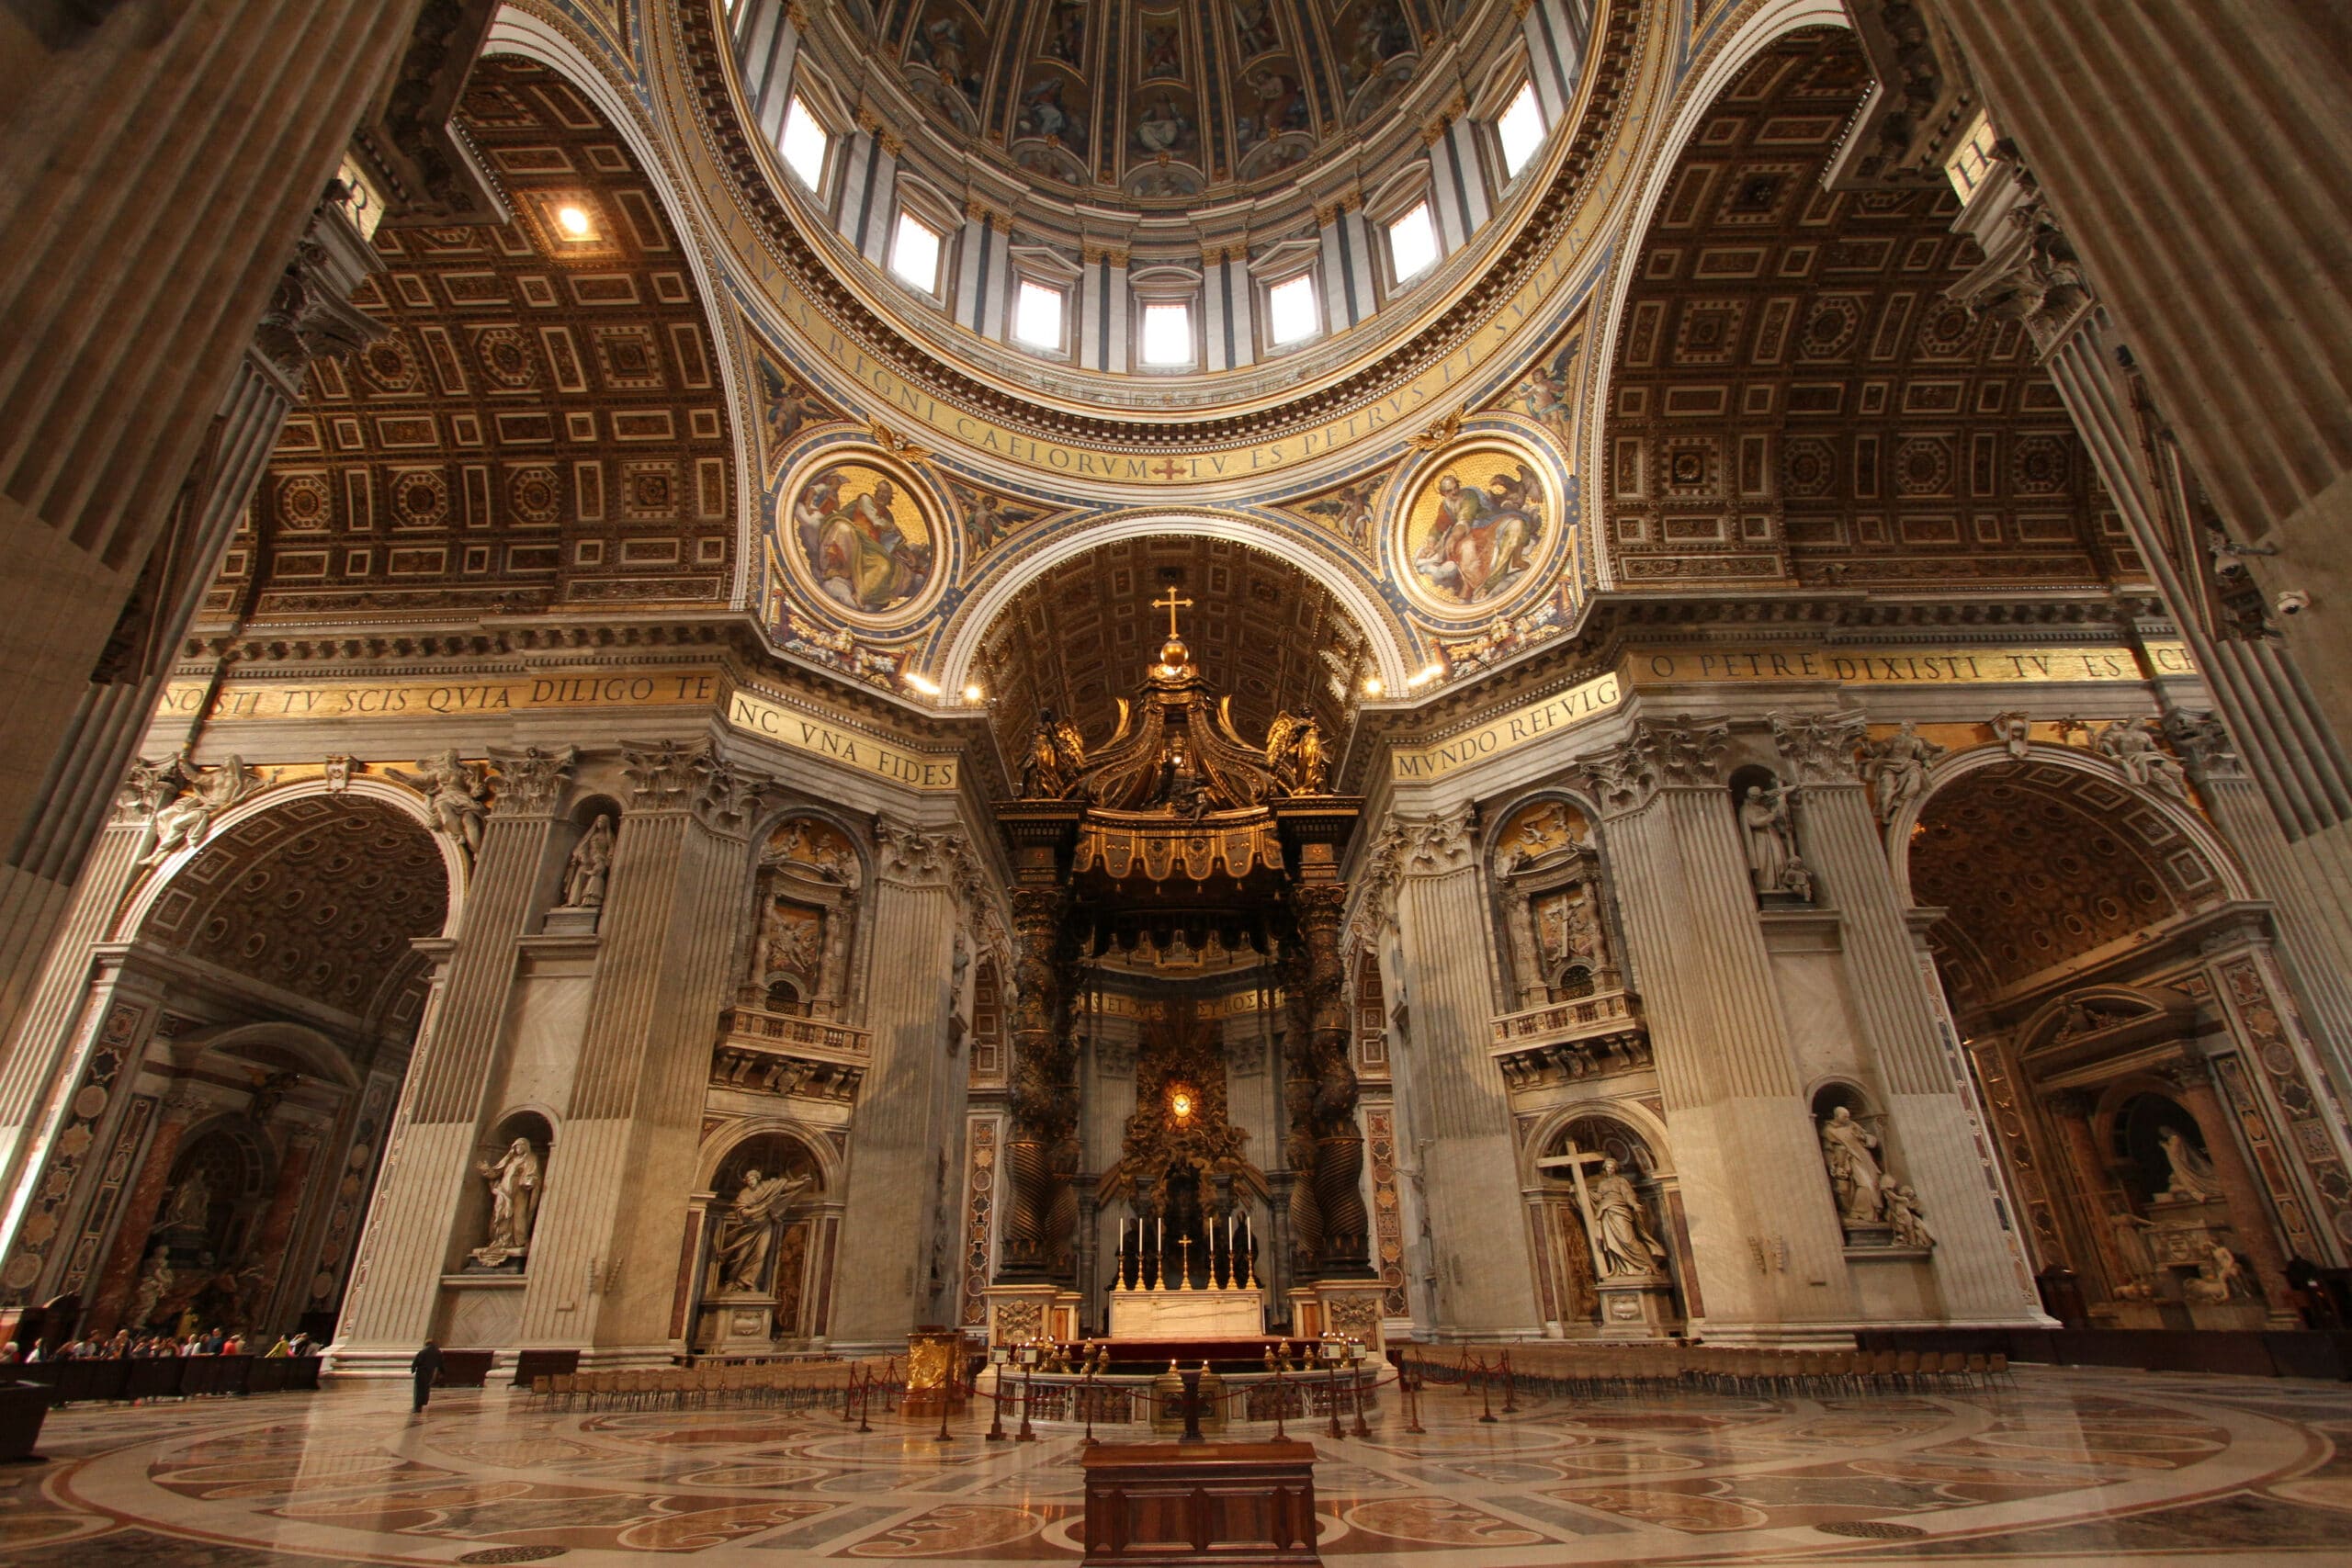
pixel 2293 602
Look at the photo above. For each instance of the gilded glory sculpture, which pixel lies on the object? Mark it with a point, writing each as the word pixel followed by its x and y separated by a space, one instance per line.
pixel 1056 752
pixel 1294 752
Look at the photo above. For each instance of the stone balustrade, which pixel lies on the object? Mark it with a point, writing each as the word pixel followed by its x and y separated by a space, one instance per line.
pixel 1574 1038
pixel 771 1053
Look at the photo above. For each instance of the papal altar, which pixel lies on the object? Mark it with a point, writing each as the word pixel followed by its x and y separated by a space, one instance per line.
pixel 1187 1315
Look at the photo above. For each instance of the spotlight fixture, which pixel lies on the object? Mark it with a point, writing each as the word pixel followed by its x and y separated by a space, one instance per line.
pixel 923 684
pixel 1424 677
pixel 573 220
pixel 972 693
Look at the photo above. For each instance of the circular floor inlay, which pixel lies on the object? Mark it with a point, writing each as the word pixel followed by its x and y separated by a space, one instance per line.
pixel 1872 1529
pixel 515 1554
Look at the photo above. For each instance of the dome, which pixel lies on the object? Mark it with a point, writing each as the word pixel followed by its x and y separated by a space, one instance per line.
pixel 1161 104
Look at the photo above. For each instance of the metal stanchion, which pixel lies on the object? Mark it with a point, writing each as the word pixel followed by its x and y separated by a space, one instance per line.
pixel 999 1358
pixel 1281 1401
pixel 1485 1393
pixel 1085 1393
pixel 1409 1391
pixel 1510 1387
pixel 1029 1359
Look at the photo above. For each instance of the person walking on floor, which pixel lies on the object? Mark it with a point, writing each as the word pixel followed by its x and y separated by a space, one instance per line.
pixel 422 1371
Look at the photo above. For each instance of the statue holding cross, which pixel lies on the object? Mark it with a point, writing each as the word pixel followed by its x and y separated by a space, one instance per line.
pixel 1623 1247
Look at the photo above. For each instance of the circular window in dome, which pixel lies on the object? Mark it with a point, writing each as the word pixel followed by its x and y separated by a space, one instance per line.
pixel 860 537
pixel 1481 524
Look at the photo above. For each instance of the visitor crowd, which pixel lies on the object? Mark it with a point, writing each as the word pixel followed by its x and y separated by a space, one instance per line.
pixel 125 1346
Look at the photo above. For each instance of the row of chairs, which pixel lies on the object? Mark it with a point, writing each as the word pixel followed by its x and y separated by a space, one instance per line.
pixel 1593 1372
pixel 790 1385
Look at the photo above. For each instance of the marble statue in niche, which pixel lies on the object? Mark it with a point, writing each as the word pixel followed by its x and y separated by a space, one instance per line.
pixel 1903 1213
pixel 590 868
pixel 2192 1178
pixel 1621 1231
pixel 745 1240
pixel 514 1180
pixel 1769 837
pixel 1850 1151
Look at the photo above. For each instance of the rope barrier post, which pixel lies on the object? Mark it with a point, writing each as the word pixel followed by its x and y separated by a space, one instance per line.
pixel 1485 1393
pixel 947 1397
pixel 1281 1400
pixel 996 1405
pixel 1331 1393
pixel 1028 1381
pixel 1086 1394
pixel 864 1405
pixel 1409 1389
pixel 1510 1387
pixel 1359 1429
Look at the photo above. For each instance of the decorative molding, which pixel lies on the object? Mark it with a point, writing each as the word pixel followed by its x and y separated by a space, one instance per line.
pixel 1666 755
pixel 663 774
pixel 532 781
pixel 1822 747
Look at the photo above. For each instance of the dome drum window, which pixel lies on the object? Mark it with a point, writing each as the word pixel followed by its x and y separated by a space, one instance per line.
pixel 1402 216
pixel 806 143
pixel 1289 302
pixel 1167 317
pixel 1042 305
pixel 922 238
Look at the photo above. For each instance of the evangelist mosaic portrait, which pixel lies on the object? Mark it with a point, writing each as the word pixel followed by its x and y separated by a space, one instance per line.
pixel 860 533
pixel 1477 529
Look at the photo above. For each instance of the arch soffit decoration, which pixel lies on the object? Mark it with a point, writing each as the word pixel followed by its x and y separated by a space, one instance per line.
pixel 299 1040
pixel 135 913
pixel 1392 646
pixel 1695 100
pixel 521 34
pixel 1494 818
pixel 2149 1005
pixel 1630 1112
pixel 2188 823
pixel 724 1140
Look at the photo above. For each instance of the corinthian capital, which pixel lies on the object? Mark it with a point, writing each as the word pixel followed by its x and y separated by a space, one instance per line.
pixel 1820 748
pixel 1433 846
pixel 663 774
pixel 1665 755
pixel 531 781
pixel 2204 745
pixel 922 857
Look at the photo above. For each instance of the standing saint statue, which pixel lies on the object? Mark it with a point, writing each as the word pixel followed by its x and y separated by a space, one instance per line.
pixel 590 867
pixel 746 1238
pixel 1848 1148
pixel 1769 836
pixel 1619 1228
pixel 513 1196
pixel 1896 768
pixel 459 794
pixel 2193 1180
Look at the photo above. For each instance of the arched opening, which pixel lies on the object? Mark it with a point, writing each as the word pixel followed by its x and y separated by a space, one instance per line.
pixel 767 1249
pixel 257 1096
pixel 1597 1222
pixel 2086 945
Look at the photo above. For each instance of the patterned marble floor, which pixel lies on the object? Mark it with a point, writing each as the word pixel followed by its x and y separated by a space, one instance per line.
pixel 2075 1467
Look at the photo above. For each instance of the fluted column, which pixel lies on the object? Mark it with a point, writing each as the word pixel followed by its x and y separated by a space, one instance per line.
pixel 407 1245
pixel 2197 154
pixel 899 1219
pixel 604 1249
pixel 1486 1282
pixel 1936 1132
pixel 1764 1232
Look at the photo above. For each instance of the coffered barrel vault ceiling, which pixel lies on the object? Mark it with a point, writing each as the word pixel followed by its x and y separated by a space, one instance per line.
pixel 1078 638
pixel 1794 397
pixel 541 423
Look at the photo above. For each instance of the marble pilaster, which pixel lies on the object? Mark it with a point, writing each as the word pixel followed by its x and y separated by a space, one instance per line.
pixel 1934 1129
pixel 1764 1234
pixel 602 1272
pixel 903 1145
pixel 407 1243
pixel 1484 1277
